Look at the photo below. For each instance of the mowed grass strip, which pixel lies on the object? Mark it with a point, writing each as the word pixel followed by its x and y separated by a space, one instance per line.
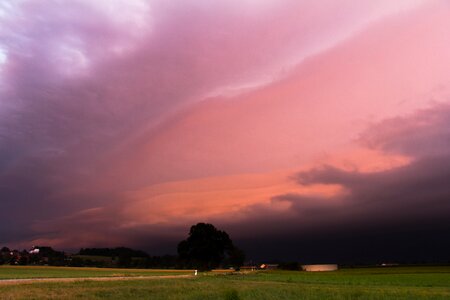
pixel 383 276
pixel 344 284
pixel 22 272
pixel 213 287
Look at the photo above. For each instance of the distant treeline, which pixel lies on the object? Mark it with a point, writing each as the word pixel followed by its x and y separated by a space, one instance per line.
pixel 120 257
pixel 45 256
pixel 205 248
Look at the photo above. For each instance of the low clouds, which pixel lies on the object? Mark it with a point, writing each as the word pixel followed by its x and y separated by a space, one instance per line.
pixel 424 133
pixel 397 209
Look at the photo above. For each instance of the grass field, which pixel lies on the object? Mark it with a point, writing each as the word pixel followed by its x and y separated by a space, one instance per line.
pixel 19 272
pixel 371 283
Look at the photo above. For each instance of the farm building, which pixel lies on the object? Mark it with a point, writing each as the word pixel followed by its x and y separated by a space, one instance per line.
pixel 319 268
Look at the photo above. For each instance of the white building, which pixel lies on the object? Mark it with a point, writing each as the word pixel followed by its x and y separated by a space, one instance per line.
pixel 320 268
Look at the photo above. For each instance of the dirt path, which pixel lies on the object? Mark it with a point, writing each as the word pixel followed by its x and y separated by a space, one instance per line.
pixel 73 279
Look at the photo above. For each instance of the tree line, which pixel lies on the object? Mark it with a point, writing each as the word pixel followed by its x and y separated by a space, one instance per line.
pixel 205 248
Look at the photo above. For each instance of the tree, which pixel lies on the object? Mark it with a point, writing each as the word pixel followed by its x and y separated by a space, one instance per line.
pixel 206 247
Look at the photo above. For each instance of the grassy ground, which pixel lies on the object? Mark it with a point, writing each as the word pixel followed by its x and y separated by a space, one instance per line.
pixel 373 283
pixel 17 272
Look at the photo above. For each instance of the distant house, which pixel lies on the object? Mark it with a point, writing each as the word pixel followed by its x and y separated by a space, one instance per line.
pixel 268 266
pixel 34 250
pixel 320 268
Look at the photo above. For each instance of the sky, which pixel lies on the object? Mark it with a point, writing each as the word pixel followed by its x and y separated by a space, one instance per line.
pixel 316 131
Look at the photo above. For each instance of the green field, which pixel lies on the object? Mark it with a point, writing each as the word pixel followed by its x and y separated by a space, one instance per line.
pixel 368 283
pixel 18 272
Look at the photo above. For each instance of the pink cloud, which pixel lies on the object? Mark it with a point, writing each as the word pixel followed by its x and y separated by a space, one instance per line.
pixel 318 109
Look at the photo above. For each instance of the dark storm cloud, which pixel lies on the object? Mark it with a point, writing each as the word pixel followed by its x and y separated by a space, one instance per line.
pixel 399 214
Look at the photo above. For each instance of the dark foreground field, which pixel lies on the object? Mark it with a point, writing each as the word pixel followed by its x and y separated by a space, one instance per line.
pixel 373 283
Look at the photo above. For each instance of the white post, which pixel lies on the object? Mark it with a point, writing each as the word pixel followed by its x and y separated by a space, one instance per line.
pixel 195 272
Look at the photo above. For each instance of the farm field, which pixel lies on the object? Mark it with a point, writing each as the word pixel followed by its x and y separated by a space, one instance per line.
pixel 22 272
pixel 364 283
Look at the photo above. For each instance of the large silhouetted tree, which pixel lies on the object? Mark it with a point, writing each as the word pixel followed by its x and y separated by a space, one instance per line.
pixel 206 247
